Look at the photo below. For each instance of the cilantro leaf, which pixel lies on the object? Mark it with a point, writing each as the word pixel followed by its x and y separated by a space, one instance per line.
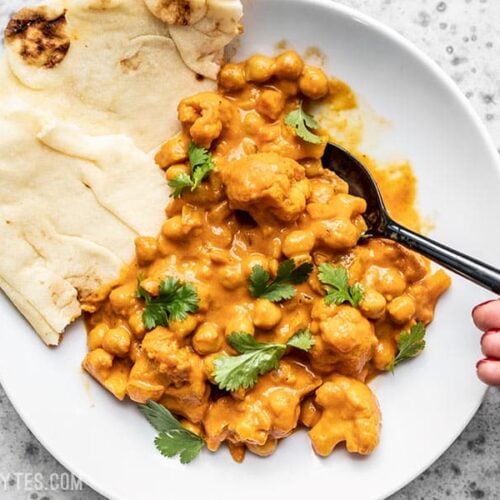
pixel 279 288
pixel 410 344
pixel 174 302
pixel 201 163
pixel 179 183
pixel 255 358
pixel 303 122
pixel 173 438
pixel 302 340
pixel 338 290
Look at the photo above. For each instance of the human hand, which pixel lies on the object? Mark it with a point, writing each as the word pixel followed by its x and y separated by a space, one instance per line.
pixel 486 317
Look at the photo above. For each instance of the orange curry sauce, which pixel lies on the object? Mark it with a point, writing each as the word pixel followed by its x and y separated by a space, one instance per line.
pixel 268 200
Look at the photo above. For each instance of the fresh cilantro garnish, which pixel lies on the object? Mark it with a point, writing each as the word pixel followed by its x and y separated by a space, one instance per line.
pixel 173 303
pixel 202 164
pixel 173 439
pixel 302 122
pixel 338 290
pixel 179 183
pixel 410 344
pixel 279 288
pixel 255 358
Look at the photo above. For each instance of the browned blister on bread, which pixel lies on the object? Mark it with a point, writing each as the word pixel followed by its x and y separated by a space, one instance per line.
pixel 39 36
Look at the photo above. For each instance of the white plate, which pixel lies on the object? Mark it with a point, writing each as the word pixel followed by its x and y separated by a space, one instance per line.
pixel 425 404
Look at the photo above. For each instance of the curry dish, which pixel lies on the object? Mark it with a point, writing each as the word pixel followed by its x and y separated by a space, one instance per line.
pixel 267 201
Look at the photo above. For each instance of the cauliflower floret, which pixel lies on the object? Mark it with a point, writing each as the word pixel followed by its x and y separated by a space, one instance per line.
pixel 206 114
pixel 346 341
pixel 266 183
pixel 350 413
pixel 171 374
pixel 111 372
pixel 267 412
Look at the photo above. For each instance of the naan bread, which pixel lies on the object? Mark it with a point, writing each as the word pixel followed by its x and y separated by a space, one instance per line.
pixel 110 66
pixel 71 205
pixel 200 29
pixel 72 196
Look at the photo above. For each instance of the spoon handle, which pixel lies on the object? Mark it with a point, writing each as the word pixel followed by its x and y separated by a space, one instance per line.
pixel 468 267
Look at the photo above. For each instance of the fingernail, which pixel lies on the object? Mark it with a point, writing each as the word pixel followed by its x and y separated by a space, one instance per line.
pixel 482 304
pixel 488 332
pixel 478 364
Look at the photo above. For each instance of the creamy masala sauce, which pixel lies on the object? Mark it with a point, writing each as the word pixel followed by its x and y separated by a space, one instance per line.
pixel 267 200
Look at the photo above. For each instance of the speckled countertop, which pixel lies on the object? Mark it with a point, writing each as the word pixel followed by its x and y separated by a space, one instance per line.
pixel 463 36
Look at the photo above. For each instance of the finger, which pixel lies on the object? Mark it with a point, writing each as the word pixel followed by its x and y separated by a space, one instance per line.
pixel 490 344
pixel 486 316
pixel 488 370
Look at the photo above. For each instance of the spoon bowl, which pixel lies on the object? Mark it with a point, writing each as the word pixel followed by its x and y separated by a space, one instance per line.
pixel 381 225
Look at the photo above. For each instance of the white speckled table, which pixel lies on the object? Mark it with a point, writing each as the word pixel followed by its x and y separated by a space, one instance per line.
pixel 463 36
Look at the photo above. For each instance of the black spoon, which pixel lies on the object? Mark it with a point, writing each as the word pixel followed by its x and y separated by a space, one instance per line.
pixel 380 225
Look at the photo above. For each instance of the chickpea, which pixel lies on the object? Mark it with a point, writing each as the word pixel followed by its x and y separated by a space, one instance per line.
pixel 95 336
pixel 298 242
pixel 289 65
pixel 263 450
pixel 259 68
pixel 271 103
pixel 266 315
pixel 269 133
pixel 337 234
pixel 373 304
pixel 390 282
pixel 232 76
pixel 146 248
pixel 117 341
pixel 123 298
pixel 203 292
pixel 184 327
pixel 253 122
pixel 252 260
pixel 384 353
pixel 208 339
pixel 231 276
pixel 173 151
pixel 177 169
pixel 136 324
pixel 402 309
pixel 173 228
pixel 313 83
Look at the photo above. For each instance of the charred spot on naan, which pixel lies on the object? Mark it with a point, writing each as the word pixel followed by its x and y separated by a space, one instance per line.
pixel 39 36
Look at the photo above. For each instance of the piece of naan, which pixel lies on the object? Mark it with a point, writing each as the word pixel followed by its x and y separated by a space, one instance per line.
pixel 111 66
pixel 71 205
pixel 201 29
pixel 88 87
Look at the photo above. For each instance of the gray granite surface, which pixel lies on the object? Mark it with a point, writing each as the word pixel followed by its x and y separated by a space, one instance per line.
pixel 463 36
